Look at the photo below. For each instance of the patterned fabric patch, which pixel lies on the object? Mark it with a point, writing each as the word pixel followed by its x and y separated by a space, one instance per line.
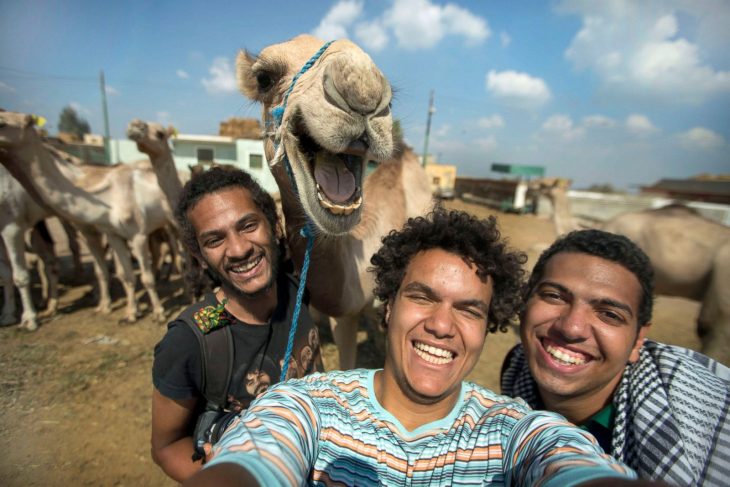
pixel 209 318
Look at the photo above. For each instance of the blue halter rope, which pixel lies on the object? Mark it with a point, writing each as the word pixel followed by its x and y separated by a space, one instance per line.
pixel 307 232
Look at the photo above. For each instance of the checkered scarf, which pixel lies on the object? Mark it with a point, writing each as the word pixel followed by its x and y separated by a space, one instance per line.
pixel 671 418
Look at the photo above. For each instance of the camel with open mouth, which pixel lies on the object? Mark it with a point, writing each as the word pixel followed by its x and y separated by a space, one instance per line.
pixel 329 126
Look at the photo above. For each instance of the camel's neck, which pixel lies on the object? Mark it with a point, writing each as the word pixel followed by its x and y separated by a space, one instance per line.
pixel 562 218
pixel 37 170
pixel 167 176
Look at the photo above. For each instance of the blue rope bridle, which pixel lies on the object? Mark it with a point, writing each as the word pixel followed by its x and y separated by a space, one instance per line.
pixel 308 230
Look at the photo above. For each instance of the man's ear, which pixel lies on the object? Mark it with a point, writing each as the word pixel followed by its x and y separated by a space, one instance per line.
pixel 640 337
pixel 386 314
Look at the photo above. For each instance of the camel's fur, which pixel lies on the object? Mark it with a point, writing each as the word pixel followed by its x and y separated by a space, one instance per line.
pixel 124 202
pixel 343 104
pixel 691 258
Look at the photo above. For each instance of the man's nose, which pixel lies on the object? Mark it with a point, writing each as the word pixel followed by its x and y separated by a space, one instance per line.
pixel 239 246
pixel 441 320
pixel 574 323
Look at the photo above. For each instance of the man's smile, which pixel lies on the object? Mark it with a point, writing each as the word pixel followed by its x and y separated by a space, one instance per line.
pixel 432 354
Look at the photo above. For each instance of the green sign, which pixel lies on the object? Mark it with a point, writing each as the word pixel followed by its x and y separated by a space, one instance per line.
pixel 518 170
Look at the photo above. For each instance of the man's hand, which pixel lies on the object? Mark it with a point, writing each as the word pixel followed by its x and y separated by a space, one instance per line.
pixel 172 445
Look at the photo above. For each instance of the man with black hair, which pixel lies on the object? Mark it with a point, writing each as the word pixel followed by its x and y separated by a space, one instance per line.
pixel 662 410
pixel 230 224
pixel 446 281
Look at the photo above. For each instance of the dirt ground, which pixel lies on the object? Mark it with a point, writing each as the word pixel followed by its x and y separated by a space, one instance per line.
pixel 75 395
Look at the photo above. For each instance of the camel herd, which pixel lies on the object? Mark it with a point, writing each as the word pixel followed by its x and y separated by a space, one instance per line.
pixel 322 131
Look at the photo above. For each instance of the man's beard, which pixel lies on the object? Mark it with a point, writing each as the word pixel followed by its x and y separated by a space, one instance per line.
pixel 274 254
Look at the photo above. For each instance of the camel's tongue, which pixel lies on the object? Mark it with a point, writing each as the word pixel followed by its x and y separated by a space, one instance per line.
pixel 337 182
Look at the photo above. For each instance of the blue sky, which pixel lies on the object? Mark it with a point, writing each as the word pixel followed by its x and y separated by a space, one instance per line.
pixel 618 91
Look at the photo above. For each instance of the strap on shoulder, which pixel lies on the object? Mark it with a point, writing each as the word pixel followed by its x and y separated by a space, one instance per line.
pixel 216 357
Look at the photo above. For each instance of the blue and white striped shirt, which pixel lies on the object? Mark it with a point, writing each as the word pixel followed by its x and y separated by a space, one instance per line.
pixel 329 429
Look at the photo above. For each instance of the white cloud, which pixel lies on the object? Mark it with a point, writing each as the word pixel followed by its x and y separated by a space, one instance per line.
pixel 222 78
pixel 7 88
pixel 491 122
pixel 421 24
pixel 372 35
pixel 443 130
pixel 639 47
pixel 598 121
pixel 487 143
pixel 518 87
pixel 640 125
pixel 505 39
pixel 562 126
pixel 182 74
pixel 111 91
pixel 701 138
pixel 335 23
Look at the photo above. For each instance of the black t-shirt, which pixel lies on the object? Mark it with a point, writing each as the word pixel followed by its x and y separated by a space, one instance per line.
pixel 258 352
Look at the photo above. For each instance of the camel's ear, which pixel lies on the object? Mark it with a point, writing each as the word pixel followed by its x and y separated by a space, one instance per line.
pixel 172 131
pixel 247 82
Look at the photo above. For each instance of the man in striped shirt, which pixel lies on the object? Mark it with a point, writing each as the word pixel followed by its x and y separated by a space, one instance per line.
pixel 446 280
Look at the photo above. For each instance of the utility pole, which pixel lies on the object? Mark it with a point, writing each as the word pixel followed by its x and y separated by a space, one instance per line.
pixel 106 118
pixel 431 110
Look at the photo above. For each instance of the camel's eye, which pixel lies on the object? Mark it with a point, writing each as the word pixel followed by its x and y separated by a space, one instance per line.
pixel 264 81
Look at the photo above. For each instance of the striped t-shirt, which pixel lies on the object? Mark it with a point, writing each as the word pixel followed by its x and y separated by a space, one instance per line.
pixel 329 429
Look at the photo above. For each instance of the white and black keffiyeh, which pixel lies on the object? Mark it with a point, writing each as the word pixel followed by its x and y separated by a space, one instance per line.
pixel 671 418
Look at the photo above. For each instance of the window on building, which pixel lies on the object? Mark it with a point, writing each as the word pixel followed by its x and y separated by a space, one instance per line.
pixel 255 161
pixel 205 155
pixel 436 180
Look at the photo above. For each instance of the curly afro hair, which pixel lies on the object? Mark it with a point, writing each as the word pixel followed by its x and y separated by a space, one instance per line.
pixel 478 242
pixel 213 180
pixel 605 245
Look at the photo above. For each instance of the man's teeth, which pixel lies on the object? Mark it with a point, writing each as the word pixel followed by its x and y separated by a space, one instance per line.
pixel 334 207
pixel 247 266
pixel 433 355
pixel 564 357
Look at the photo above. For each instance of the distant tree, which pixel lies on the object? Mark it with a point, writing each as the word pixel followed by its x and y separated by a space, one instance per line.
pixel 603 188
pixel 70 122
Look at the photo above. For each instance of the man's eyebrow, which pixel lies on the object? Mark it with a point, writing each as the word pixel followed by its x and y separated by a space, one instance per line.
pixel 419 286
pixel 217 231
pixel 613 303
pixel 604 301
pixel 554 284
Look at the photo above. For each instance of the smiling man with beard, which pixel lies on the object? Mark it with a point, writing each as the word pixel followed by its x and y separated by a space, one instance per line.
pixel 230 224
pixel 661 409
pixel 446 280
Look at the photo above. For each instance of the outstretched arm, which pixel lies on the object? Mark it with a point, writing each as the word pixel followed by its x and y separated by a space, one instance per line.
pixel 172 445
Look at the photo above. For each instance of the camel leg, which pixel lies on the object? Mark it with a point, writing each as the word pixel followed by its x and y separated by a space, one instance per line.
pixel 6 280
pixel 124 261
pixel 73 246
pixel 96 249
pixel 42 245
pixel 344 332
pixel 714 320
pixel 15 245
pixel 141 251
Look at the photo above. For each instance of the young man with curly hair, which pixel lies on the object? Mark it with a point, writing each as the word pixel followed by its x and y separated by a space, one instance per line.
pixel 446 280
pixel 660 409
pixel 230 224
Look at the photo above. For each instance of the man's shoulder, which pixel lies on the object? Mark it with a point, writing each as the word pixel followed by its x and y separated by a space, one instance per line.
pixel 678 363
pixel 209 299
pixel 482 397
